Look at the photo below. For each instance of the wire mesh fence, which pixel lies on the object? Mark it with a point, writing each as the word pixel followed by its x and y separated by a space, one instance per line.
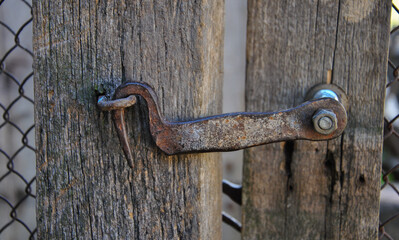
pixel 389 209
pixel 17 150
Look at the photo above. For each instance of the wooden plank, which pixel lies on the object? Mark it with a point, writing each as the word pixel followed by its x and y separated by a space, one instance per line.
pixel 85 188
pixel 316 190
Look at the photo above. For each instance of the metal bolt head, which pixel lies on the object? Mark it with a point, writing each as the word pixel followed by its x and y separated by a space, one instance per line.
pixel 325 121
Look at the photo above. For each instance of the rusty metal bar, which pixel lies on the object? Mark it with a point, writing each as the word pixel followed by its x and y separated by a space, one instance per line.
pixel 227 132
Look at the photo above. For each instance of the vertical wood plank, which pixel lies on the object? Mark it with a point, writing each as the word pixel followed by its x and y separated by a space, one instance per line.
pixel 316 190
pixel 85 188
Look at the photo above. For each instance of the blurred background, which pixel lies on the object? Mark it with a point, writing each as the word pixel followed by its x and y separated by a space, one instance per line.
pixel 233 98
pixel 17 158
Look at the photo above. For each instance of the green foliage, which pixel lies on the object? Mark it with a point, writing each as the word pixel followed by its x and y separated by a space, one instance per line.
pixel 391 178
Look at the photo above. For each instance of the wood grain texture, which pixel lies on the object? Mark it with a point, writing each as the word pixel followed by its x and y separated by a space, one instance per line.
pixel 316 190
pixel 85 188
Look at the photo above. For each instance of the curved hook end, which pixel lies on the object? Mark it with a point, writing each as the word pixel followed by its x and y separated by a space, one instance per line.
pixel 119 120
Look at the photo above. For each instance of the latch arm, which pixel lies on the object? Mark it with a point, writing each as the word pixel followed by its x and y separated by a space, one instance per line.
pixel 318 119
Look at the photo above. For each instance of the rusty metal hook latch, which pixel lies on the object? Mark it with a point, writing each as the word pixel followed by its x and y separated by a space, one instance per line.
pixel 318 119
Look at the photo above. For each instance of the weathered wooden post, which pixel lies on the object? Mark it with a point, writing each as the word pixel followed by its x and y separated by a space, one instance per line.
pixel 316 190
pixel 85 188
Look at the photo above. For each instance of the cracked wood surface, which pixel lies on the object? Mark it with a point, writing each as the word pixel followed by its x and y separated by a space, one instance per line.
pixel 85 188
pixel 316 190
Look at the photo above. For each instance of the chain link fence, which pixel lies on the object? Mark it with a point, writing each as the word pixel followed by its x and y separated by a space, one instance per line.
pixel 17 150
pixel 389 208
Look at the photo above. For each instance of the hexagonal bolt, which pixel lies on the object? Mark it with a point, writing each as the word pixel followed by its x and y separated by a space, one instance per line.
pixel 325 121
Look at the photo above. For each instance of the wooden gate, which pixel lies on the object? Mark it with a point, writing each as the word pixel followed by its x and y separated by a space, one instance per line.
pixel 291 190
pixel 316 190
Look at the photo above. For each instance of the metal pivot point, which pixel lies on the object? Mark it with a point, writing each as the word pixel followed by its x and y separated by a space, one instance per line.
pixel 227 132
pixel 324 120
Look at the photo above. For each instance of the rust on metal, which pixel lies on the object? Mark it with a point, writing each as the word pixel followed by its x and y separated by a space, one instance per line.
pixel 226 132
pixel 108 105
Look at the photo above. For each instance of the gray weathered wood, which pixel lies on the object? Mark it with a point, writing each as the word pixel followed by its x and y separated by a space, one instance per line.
pixel 85 188
pixel 316 190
